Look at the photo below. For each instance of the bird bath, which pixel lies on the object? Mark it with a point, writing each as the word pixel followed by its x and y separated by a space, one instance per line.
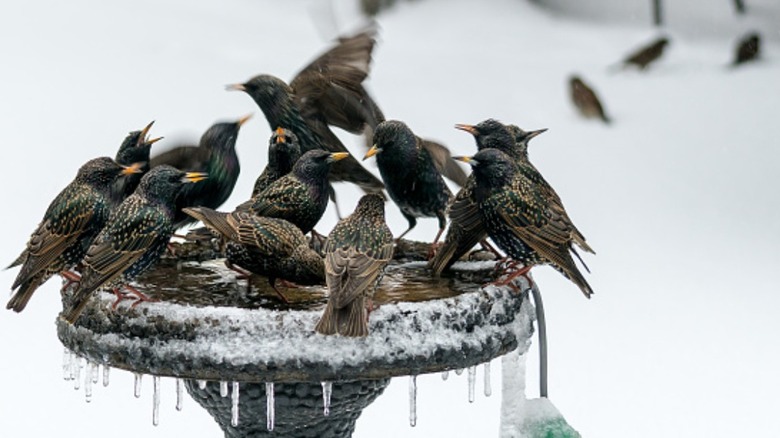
pixel 217 337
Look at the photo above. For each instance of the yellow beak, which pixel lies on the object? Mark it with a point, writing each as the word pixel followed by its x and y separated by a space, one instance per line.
pixel 336 156
pixel 371 152
pixel 194 177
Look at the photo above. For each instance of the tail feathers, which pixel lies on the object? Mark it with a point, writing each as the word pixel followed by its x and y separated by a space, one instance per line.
pixel 576 277
pixel 444 258
pixel 213 220
pixel 350 320
pixel 21 297
pixel 582 262
pixel 19 260
pixel 77 304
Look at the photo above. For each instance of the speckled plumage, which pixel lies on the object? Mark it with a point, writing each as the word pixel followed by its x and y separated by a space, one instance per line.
pixel 214 155
pixel 301 196
pixel 134 237
pixel 328 91
pixel 356 253
pixel 586 101
pixel 272 247
pixel 412 180
pixel 134 149
pixel 646 55
pixel 518 218
pixel 283 152
pixel 70 223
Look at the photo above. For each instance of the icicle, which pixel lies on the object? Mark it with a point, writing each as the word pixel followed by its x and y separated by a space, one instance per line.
pixel 95 372
pixel 472 382
pixel 77 374
pixel 223 389
pixel 445 375
pixel 106 369
pixel 67 365
pixel 488 389
pixel 234 405
pixel 327 390
pixel 179 394
pixel 202 384
pixel 459 371
pixel 88 381
pixel 269 405
pixel 137 385
pixel 413 401
pixel 156 400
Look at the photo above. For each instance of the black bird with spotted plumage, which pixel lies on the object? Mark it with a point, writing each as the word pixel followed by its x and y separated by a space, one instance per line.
pixel 135 148
pixel 518 218
pixel 411 178
pixel 283 152
pixel 356 254
pixel 70 224
pixel 215 155
pixel 134 238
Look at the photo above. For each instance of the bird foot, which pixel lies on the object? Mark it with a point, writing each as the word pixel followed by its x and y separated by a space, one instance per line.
pixel 433 249
pixel 278 292
pixel 136 294
pixel 71 278
pixel 510 277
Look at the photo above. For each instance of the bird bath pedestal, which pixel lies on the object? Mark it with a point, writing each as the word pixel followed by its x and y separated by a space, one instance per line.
pixel 210 331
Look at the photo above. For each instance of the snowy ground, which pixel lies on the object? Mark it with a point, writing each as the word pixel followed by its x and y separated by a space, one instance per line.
pixel 678 197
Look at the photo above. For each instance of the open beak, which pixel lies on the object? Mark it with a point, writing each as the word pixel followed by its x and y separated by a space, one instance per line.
pixel 145 132
pixel 236 87
pixel 193 177
pixel 154 140
pixel 471 129
pixel 371 152
pixel 531 134
pixel 133 168
pixel 468 160
pixel 243 120
pixel 336 156
pixel 280 137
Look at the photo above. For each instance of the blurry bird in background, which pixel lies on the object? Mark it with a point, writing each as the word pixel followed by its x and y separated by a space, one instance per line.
pixel 646 55
pixel 215 155
pixel 748 49
pixel 283 152
pixel 586 101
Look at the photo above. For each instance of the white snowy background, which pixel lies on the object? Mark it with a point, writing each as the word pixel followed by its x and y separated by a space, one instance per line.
pixel 679 196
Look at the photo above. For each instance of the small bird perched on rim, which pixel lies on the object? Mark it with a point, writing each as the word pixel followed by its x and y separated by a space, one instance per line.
pixel 585 100
pixel 748 49
pixel 519 220
pixel 356 253
pixel 134 237
pixel 412 180
pixel 466 228
pixel 70 223
pixel 301 196
pixel 214 155
pixel 135 148
pixel 283 152
pixel 274 248
pixel 646 55
pixel 328 91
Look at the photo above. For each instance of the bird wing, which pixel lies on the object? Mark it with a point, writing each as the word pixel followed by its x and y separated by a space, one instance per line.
pixel 120 245
pixel 444 163
pixel 350 273
pixel 265 236
pixel 69 215
pixel 280 199
pixel 183 157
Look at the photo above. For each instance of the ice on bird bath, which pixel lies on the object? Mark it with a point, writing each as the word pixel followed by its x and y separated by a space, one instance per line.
pixel 76 373
pixel 95 372
pixel 202 384
pixel 156 400
pixel 106 370
pixel 269 405
pixel 67 365
pixel 413 401
pixel 459 371
pixel 472 376
pixel 88 381
pixel 234 405
pixel 445 375
pixel 179 394
pixel 223 389
pixel 488 389
pixel 327 390
pixel 137 384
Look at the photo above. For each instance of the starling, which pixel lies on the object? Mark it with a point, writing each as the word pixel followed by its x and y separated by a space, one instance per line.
pixel 274 248
pixel 585 100
pixel 327 91
pixel 69 225
pixel 647 54
pixel 214 155
pixel 518 218
pixel 134 237
pixel 134 149
pixel 748 49
pixel 411 178
pixel 283 152
pixel 466 228
pixel 356 253
pixel 301 196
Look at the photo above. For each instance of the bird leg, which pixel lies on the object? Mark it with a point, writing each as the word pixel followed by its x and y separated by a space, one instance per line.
pixel 435 244
pixel 242 275
pixel 508 281
pixel 139 296
pixel 278 292
pixel 488 247
pixel 71 279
